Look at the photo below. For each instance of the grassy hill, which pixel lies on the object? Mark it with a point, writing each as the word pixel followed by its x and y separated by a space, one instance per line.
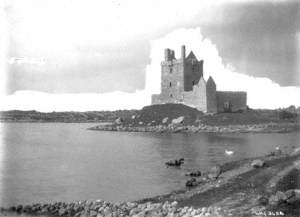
pixel 155 114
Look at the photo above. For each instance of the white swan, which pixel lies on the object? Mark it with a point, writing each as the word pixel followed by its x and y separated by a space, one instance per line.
pixel 227 152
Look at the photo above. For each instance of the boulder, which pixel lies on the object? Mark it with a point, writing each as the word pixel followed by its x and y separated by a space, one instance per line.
pixel 262 200
pixel 191 183
pixel 257 163
pixel 297 165
pixel 292 196
pixel 19 208
pixel 174 203
pixel 93 213
pixel 214 172
pixel 274 200
pixel 62 211
pixel 165 120
pixel 78 214
pixel 295 151
pixel 27 209
pixel 131 205
pixel 281 195
pixel 277 152
pixel 12 208
pixel 277 198
pixel 258 209
pixel 134 211
pixel 119 121
pixel 178 120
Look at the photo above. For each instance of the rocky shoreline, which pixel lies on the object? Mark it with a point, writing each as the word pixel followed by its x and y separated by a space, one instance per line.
pixel 101 208
pixel 201 128
pixel 264 186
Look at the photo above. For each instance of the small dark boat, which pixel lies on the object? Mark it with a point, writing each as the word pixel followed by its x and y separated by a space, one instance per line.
pixel 175 163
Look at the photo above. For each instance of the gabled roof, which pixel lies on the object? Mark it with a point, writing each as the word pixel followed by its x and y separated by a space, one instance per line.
pixel 191 56
pixel 201 80
pixel 210 82
pixel 210 79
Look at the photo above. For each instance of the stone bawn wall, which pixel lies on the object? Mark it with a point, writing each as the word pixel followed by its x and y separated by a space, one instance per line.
pixel 236 100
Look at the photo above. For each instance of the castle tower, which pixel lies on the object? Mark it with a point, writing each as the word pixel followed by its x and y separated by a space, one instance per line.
pixel 178 76
pixel 172 77
pixel 211 95
pixel 193 71
pixel 182 82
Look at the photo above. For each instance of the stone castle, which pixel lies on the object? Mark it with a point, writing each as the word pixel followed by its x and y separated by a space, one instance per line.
pixel 182 82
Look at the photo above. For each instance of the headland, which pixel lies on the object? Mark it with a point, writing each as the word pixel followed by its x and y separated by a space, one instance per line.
pixel 176 118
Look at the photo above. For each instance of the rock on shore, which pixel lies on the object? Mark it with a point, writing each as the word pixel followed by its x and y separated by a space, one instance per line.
pixel 100 208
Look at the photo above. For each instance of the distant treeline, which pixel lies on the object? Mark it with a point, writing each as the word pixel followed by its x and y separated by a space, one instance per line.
pixel 90 116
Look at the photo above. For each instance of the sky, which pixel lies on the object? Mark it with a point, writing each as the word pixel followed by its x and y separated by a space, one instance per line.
pixel 64 55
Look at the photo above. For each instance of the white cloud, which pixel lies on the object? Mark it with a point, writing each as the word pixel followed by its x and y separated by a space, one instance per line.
pixel 26 60
pixel 4 36
pixel 52 26
pixel 262 92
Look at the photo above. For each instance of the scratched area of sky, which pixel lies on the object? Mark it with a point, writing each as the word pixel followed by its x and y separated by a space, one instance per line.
pixel 63 55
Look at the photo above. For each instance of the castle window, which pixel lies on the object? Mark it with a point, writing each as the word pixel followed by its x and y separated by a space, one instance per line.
pixel 171 95
pixel 171 69
pixel 170 85
pixel 227 106
pixel 193 67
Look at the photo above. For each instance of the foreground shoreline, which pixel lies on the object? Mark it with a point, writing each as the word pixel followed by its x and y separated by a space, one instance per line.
pixel 179 128
pixel 238 190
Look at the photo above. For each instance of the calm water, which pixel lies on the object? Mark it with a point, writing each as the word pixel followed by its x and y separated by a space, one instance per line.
pixel 42 162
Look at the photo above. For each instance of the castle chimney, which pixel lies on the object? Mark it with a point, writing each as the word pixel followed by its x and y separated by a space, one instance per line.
pixel 167 54
pixel 172 54
pixel 182 52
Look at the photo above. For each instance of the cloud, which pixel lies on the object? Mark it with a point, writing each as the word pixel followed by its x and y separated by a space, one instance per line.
pixel 262 92
pixel 109 39
pixel 26 60
pixel 99 23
